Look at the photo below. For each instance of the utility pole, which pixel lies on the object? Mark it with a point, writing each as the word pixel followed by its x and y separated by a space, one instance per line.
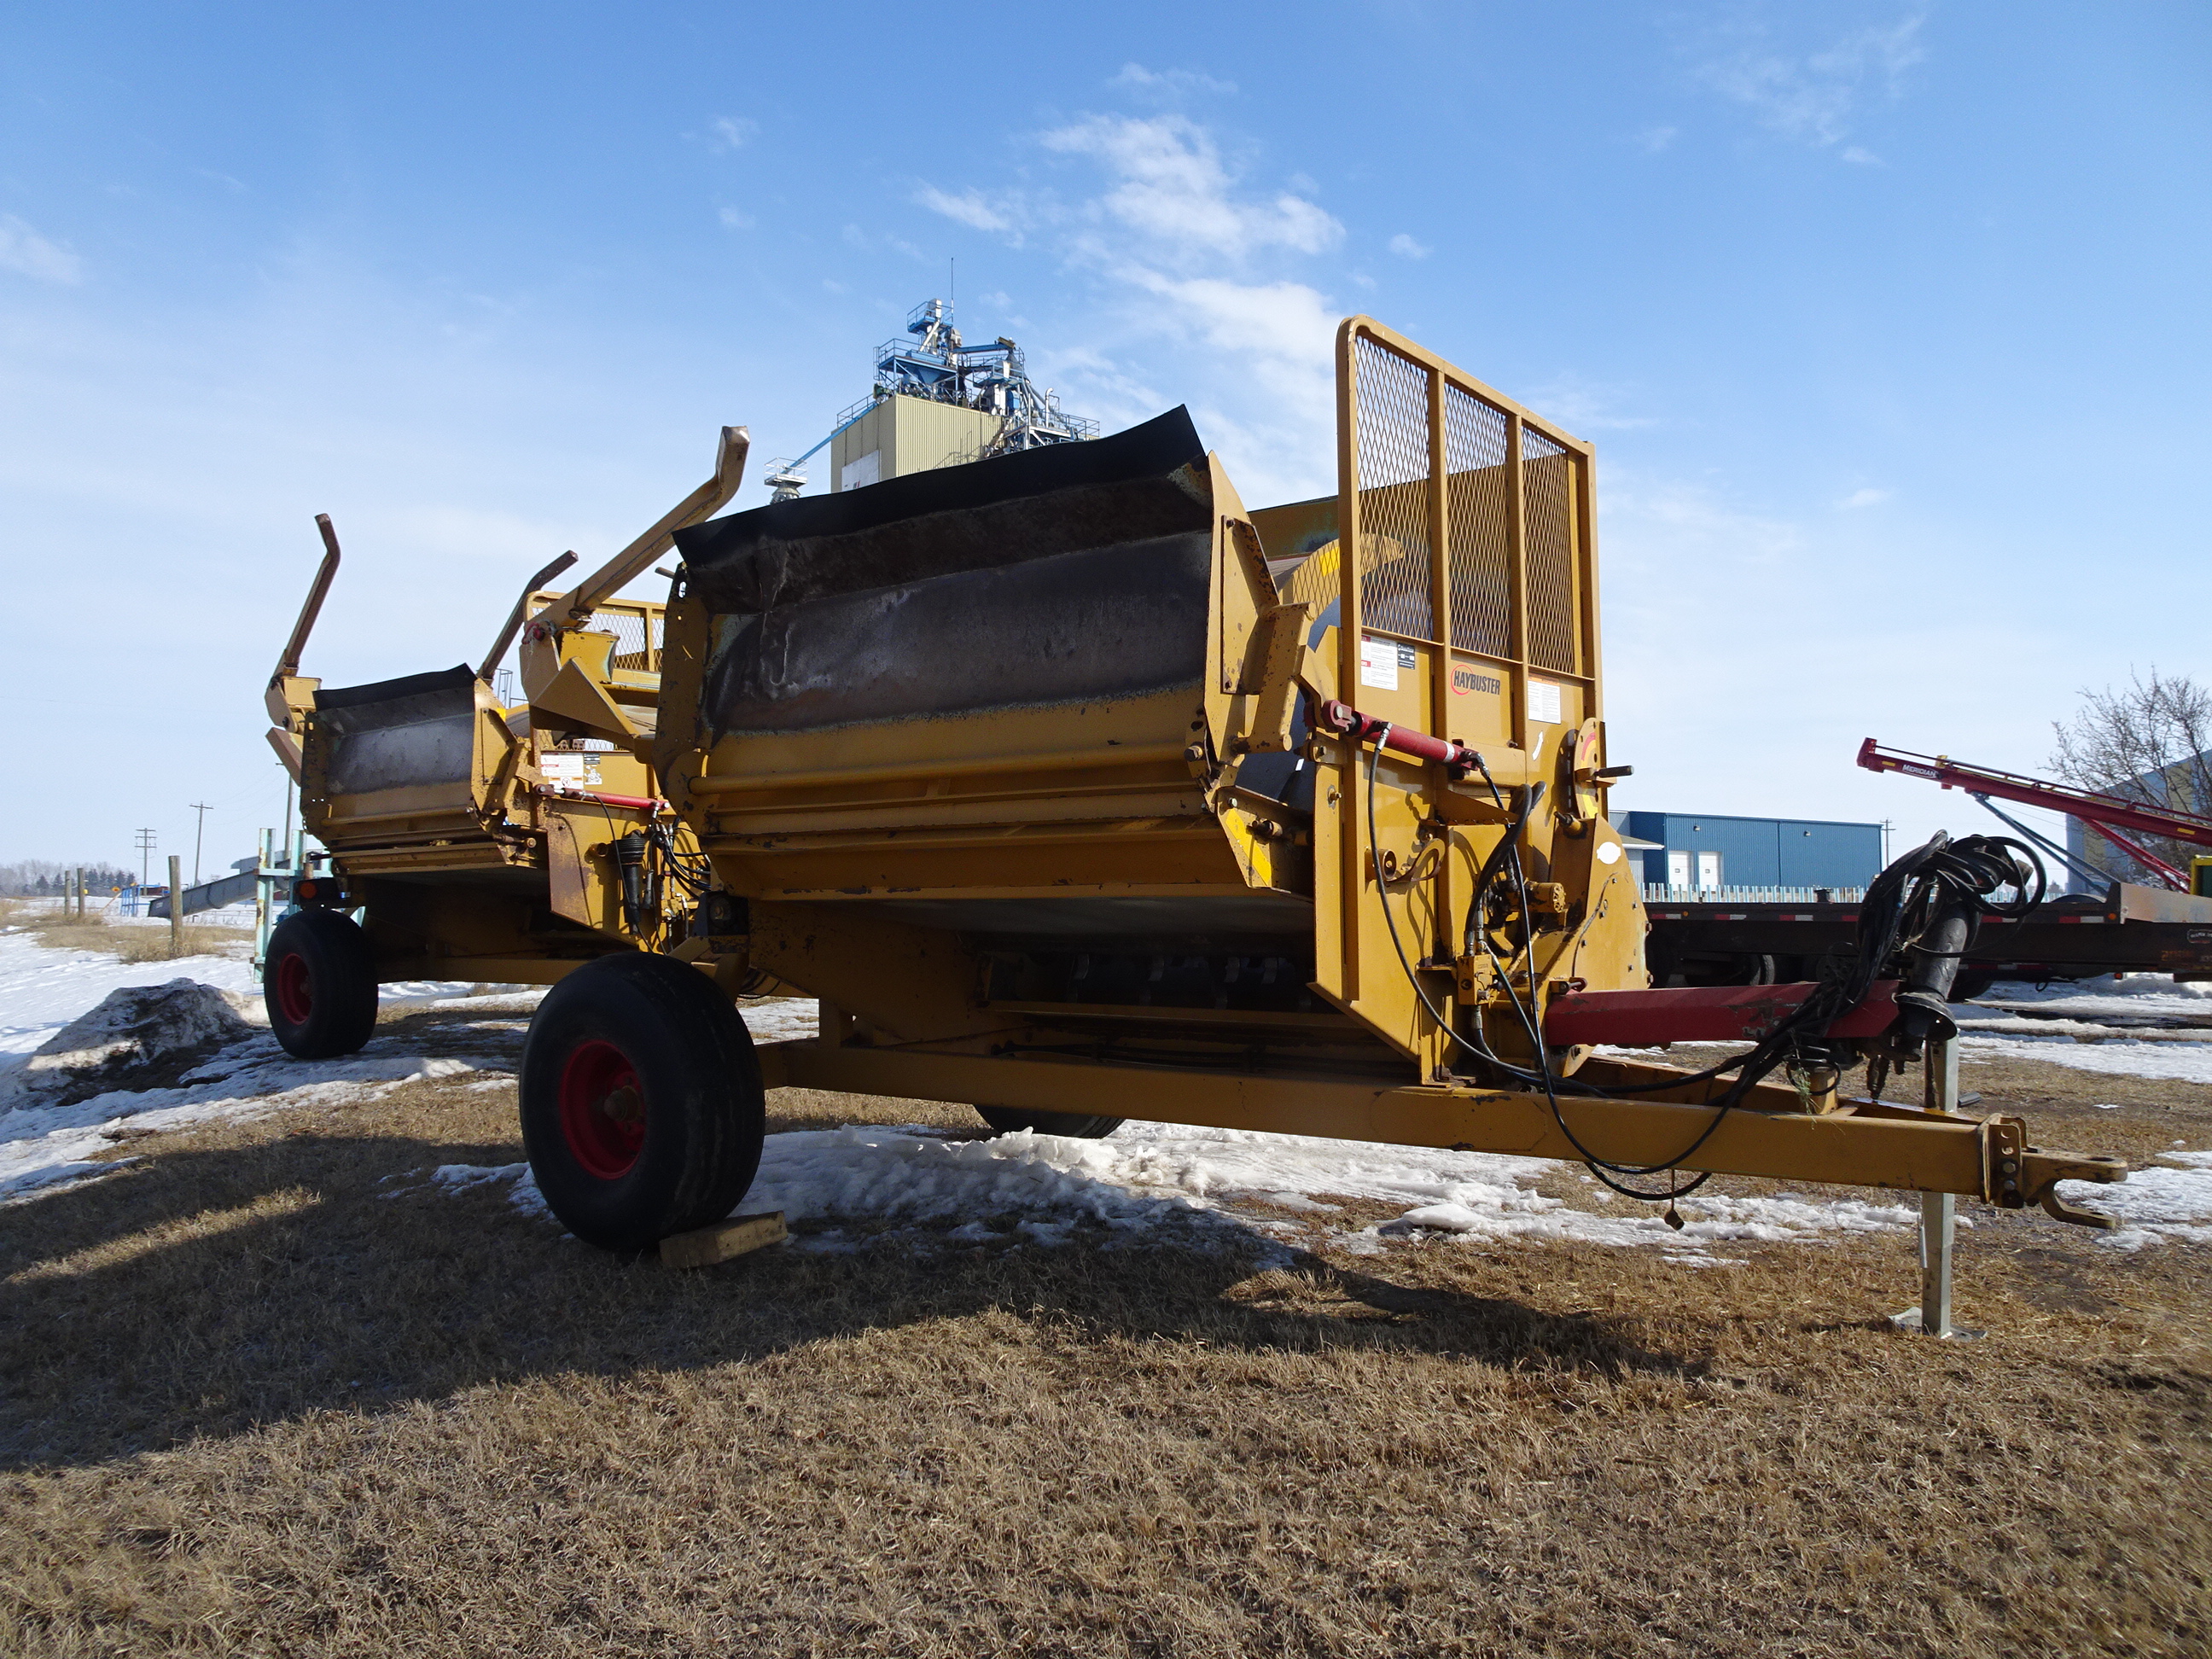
pixel 199 835
pixel 146 838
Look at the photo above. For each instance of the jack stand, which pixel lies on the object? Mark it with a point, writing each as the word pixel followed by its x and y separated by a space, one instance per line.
pixel 1939 1212
pixel 272 881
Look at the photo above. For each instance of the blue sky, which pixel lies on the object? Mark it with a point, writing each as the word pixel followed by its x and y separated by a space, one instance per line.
pixel 1889 323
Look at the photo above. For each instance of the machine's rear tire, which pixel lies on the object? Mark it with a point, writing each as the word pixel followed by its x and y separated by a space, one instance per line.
pixel 1969 984
pixel 1077 1126
pixel 642 1110
pixel 319 983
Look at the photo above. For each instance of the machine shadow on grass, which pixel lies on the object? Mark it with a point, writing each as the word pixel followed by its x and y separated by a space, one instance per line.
pixel 204 1291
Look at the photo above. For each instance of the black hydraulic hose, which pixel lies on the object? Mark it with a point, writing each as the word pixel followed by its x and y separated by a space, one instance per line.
pixel 1599 1167
pixel 1505 847
pixel 629 860
pixel 1933 884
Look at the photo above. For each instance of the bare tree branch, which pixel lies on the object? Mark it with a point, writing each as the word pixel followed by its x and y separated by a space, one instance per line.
pixel 2145 742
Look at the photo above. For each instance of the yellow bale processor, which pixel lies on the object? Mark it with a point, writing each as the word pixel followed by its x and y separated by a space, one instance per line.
pixel 1078 792
pixel 478 842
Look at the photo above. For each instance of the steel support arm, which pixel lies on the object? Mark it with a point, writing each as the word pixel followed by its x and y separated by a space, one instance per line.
pixel 574 609
pixel 2086 805
pixel 1893 1146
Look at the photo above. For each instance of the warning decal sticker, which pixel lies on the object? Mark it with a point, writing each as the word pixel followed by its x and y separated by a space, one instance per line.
pixel 576 770
pixel 1380 661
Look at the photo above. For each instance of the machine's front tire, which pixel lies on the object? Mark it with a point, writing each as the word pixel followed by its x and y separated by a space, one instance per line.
pixel 318 982
pixel 642 1110
pixel 1077 1126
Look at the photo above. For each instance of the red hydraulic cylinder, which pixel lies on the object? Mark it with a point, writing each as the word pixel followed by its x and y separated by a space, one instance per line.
pixel 1702 1013
pixel 625 803
pixel 1336 716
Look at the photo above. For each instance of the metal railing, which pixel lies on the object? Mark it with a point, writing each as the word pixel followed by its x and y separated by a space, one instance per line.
pixel 1660 894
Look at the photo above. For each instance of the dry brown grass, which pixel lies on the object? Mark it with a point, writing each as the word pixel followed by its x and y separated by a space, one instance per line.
pixel 131 943
pixel 254 1402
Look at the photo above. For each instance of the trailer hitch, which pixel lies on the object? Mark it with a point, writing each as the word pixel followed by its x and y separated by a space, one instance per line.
pixel 2040 1172
pixel 2016 1175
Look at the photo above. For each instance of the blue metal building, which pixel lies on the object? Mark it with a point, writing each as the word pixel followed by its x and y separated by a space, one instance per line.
pixel 1687 852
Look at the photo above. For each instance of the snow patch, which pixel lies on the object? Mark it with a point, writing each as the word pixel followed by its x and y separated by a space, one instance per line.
pixel 2188 1062
pixel 522 1188
pixel 2168 1201
pixel 1213 1186
pixel 2135 994
pixel 133 1027
pixel 782 1019
pixel 41 989
pixel 48 1144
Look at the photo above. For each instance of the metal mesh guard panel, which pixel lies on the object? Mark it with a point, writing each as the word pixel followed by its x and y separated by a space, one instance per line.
pixel 629 628
pixel 1393 427
pixel 1547 508
pixel 1477 507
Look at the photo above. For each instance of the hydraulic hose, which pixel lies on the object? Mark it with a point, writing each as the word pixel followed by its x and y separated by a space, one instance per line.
pixel 1924 909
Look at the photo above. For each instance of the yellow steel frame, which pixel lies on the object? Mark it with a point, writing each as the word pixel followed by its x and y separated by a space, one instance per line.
pixel 1437 485
pixel 1885 1147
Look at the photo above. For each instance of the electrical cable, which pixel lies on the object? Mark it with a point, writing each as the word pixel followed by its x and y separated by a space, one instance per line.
pixel 1912 896
pixel 1598 1166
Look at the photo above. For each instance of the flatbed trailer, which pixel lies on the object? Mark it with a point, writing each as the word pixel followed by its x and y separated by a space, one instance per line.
pixel 2130 930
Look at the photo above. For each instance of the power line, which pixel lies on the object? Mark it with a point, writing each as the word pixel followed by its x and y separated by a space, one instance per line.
pixel 146 839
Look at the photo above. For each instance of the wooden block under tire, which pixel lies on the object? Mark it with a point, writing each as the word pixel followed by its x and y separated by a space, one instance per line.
pixel 725 1239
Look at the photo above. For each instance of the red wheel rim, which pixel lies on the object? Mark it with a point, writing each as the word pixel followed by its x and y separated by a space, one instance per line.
pixel 602 1109
pixel 296 988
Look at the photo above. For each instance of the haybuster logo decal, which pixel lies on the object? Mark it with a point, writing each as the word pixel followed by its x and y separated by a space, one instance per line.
pixel 1465 680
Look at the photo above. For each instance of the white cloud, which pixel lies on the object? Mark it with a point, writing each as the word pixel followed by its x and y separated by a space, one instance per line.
pixel 1811 97
pixel 1582 406
pixel 733 132
pixel 1407 248
pixel 733 219
pixel 1284 323
pixel 1655 139
pixel 1170 185
pixel 1860 156
pixel 24 250
pixel 857 238
pixel 1867 497
pixel 1171 81
pixel 968 208
pixel 1191 267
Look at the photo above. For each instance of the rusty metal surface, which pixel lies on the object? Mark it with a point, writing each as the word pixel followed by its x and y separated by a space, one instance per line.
pixel 398 733
pixel 1097 624
pixel 1133 487
pixel 1075 573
